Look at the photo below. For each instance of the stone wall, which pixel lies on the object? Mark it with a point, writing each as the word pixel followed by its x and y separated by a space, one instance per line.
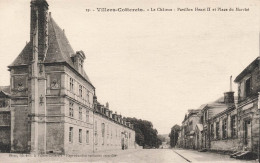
pixel 225 145
pixel 115 134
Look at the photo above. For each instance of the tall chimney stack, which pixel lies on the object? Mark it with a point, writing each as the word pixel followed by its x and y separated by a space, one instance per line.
pixel 40 7
pixel 229 96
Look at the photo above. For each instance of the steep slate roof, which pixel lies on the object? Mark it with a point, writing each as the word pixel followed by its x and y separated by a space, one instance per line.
pixel 23 57
pixel 59 49
pixel 5 90
pixel 248 69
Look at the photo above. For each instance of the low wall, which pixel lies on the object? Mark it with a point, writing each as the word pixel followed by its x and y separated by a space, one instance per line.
pixel 225 145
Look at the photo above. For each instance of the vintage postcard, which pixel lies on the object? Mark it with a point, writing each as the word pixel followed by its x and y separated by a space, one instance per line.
pixel 129 81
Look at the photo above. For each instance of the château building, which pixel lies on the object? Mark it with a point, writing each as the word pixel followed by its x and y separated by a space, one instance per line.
pixel 51 105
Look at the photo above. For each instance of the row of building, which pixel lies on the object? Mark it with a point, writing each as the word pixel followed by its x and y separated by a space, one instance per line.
pixel 51 105
pixel 231 123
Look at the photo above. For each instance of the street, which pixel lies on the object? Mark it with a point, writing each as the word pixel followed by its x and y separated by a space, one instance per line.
pixel 128 156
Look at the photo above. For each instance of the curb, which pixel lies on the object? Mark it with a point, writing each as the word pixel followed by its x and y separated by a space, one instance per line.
pixel 181 156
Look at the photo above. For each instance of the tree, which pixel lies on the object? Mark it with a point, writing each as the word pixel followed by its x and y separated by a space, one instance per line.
pixel 139 137
pixel 145 134
pixel 174 134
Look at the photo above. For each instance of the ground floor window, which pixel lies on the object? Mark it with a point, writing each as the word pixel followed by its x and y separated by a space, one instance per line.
pixel 71 134
pixel 224 128
pixel 80 135
pixel 233 126
pixel 87 137
pixel 217 130
pixel 212 130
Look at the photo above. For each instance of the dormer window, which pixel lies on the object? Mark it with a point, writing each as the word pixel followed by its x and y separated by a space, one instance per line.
pixel 78 61
pixel 81 66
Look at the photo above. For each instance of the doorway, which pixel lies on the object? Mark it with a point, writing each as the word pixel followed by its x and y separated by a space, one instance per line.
pixel 247 136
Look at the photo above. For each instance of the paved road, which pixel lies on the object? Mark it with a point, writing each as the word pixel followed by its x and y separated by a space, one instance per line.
pixel 128 156
pixel 150 156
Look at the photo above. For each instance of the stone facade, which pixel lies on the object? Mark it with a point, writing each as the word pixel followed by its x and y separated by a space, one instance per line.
pixel 248 107
pixel 52 105
pixel 210 111
pixel 226 136
pixel 231 124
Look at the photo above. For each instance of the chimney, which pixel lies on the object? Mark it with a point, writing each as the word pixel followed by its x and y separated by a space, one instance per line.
pixel 95 98
pixel 107 105
pixel 40 8
pixel 229 96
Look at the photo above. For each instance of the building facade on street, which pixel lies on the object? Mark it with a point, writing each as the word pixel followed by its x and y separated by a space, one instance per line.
pixel 188 128
pixel 51 105
pixel 248 106
pixel 231 123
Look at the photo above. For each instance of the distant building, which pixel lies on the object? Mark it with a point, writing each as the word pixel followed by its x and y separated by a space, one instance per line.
pixel 188 128
pixel 51 106
pixel 5 119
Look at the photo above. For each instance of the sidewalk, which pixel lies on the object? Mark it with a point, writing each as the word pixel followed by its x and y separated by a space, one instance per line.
pixel 195 156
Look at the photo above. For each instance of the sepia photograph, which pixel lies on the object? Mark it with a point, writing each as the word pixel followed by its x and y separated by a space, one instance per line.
pixel 129 81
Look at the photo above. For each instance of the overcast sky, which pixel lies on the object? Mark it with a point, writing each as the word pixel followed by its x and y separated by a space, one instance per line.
pixel 150 65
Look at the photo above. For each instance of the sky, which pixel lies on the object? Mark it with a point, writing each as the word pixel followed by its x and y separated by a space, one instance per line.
pixel 149 65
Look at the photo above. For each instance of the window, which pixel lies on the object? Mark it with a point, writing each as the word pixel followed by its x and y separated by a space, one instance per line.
pixel 224 128
pixel 80 90
pixel 71 84
pixel 96 135
pixel 205 116
pixel 103 133
pixel 212 130
pixel 107 131
pixel 87 137
pixel 87 96
pixel 71 134
pixel 217 130
pixel 233 126
pixel 80 66
pixel 80 135
pixel 108 135
pixel 80 113
pixel 3 104
pixel 71 111
pixel 111 132
pixel 87 115
pixel 248 87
